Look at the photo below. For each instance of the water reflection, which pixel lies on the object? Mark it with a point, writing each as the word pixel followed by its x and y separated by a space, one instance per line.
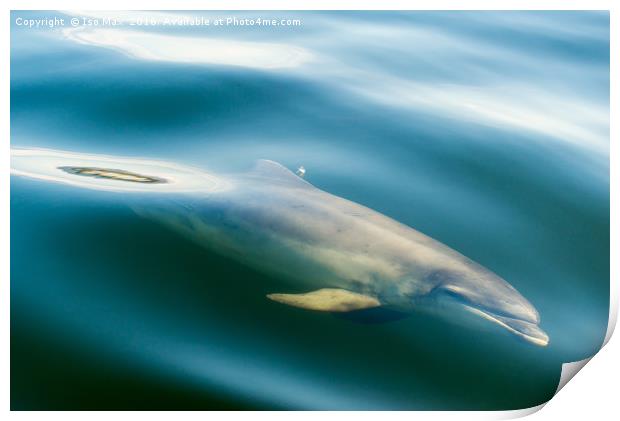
pixel 485 130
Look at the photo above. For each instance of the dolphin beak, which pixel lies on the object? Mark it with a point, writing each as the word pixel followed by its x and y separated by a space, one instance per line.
pixel 526 330
pixel 507 308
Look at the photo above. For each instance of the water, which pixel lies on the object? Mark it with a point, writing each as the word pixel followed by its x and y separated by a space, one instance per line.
pixel 487 131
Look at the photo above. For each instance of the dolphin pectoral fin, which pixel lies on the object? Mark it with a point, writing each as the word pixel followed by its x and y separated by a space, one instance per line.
pixel 327 299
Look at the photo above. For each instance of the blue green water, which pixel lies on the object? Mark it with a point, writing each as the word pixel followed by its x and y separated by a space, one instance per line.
pixel 487 131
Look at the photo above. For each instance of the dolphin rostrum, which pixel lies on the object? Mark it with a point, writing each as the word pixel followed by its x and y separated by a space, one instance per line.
pixel 339 256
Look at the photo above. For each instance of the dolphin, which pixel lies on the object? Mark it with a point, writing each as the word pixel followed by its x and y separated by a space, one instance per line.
pixel 337 255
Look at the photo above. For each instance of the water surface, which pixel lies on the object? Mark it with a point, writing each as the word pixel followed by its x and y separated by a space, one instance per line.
pixel 488 131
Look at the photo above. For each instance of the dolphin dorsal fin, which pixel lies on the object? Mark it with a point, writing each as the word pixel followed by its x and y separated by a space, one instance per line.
pixel 265 168
pixel 327 299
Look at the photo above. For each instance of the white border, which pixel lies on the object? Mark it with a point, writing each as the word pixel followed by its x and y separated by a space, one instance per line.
pixel 594 392
pixel 314 5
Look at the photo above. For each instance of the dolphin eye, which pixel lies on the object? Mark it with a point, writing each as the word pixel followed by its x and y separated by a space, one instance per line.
pixel 446 291
pixel 444 285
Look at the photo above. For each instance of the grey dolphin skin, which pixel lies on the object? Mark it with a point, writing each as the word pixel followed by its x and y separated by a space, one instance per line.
pixel 337 255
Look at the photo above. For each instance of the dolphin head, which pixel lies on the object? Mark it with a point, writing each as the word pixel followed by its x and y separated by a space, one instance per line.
pixel 488 296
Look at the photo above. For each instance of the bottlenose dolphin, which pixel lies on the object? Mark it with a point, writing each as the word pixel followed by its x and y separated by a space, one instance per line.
pixel 339 256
